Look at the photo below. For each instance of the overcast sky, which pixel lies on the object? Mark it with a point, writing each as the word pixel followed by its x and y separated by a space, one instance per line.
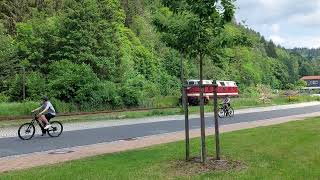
pixel 290 23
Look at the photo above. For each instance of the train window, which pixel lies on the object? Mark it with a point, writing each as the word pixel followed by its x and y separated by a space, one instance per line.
pixel 193 82
pixel 222 84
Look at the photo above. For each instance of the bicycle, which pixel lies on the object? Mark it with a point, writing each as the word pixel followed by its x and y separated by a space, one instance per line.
pixel 27 130
pixel 225 111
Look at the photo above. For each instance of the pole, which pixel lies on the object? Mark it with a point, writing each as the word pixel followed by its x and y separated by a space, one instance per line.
pixel 23 83
pixel 186 113
pixel 186 117
pixel 202 120
pixel 216 122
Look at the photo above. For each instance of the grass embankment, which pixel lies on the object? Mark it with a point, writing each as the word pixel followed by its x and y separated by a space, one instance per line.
pixel 286 151
pixel 24 108
pixel 9 109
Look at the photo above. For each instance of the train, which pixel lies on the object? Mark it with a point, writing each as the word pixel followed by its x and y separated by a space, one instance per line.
pixel 225 88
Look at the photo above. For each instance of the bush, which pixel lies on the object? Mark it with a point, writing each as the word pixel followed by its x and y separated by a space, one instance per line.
pixel 137 90
pixel 3 98
pixel 168 85
pixel 250 91
pixel 264 91
pixel 62 107
pixel 72 82
pixel 99 96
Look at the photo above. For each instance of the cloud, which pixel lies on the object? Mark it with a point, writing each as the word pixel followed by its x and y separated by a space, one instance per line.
pixel 290 23
pixel 277 39
pixel 267 11
pixel 303 41
pixel 275 28
pixel 311 19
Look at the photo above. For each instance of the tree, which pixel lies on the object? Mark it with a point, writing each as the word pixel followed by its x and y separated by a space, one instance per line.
pixel 306 69
pixel 271 49
pixel 8 60
pixel 132 8
pixel 191 26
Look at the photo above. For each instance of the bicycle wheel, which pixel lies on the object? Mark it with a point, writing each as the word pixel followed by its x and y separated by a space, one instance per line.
pixel 221 113
pixel 56 129
pixel 230 112
pixel 26 131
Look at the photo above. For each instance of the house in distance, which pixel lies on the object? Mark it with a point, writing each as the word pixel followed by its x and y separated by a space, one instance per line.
pixel 313 82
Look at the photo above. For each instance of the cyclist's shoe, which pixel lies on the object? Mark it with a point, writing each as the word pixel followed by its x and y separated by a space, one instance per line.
pixel 43 133
pixel 47 126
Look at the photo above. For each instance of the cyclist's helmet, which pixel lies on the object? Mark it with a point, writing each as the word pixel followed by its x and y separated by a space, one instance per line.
pixel 45 98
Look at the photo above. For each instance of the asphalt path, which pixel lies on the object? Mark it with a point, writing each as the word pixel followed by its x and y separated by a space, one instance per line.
pixel 15 146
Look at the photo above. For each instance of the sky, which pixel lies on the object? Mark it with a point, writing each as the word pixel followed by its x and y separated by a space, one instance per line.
pixel 289 23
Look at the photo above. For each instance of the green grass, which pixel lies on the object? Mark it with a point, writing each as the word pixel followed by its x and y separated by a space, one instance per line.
pixel 286 151
pixel 237 103
pixel 17 109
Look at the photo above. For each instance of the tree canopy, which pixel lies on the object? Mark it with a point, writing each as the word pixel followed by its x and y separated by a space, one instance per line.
pixel 112 51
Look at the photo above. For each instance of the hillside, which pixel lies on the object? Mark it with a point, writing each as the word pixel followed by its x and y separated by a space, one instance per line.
pixel 312 54
pixel 107 53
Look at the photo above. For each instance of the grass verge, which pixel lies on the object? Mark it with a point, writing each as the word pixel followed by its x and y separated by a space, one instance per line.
pixel 286 151
pixel 237 103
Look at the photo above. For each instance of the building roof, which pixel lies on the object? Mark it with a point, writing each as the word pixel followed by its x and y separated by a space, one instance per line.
pixel 310 78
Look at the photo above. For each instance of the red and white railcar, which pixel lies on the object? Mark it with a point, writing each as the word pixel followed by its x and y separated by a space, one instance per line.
pixel 225 88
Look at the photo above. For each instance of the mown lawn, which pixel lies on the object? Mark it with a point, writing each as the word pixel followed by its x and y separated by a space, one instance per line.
pixel 286 151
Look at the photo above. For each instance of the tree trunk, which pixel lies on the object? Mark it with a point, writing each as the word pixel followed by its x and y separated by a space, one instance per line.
pixel 216 122
pixel 185 107
pixel 202 120
pixel 23 83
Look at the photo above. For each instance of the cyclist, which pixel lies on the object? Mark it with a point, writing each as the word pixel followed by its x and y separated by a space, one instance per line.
pixel 226 103
pixel 48 112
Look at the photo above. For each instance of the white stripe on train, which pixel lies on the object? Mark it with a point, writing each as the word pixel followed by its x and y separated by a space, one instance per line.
pixel 211 94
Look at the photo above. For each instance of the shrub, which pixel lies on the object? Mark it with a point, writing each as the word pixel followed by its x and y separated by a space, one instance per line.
pixel 99 96
pixel 3 98
pixel 137 90
pixel 72 82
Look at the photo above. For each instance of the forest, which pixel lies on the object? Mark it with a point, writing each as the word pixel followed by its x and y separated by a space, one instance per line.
pixel 108 53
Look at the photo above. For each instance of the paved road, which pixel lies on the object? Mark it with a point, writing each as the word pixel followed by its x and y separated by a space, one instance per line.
pixel 15 146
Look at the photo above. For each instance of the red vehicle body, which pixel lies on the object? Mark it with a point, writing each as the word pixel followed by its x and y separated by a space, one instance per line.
pixel 225 88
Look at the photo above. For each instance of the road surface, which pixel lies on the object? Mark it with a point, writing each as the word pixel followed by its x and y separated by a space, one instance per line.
pixel 14 146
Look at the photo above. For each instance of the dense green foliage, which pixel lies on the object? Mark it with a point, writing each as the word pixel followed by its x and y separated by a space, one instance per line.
pixel 107 53
pixel 312 64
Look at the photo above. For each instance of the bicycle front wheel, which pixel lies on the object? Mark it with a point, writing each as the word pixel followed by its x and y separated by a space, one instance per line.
pixel 26 131
pixel 56 129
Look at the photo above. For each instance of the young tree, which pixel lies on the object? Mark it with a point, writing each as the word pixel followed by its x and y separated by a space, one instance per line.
pixel 190 26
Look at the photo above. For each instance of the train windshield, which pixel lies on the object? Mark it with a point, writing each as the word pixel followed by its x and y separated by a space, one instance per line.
pixel 193 82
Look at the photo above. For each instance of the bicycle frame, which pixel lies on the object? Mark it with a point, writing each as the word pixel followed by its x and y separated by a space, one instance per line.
pixel 37 120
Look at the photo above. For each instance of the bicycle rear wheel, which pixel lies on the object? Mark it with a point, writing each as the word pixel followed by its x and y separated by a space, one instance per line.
pixel 230 112
pixel 26 131
pixel 56 129
pixel 221 113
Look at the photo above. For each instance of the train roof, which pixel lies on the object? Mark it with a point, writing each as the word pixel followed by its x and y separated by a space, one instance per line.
pixel 219 82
